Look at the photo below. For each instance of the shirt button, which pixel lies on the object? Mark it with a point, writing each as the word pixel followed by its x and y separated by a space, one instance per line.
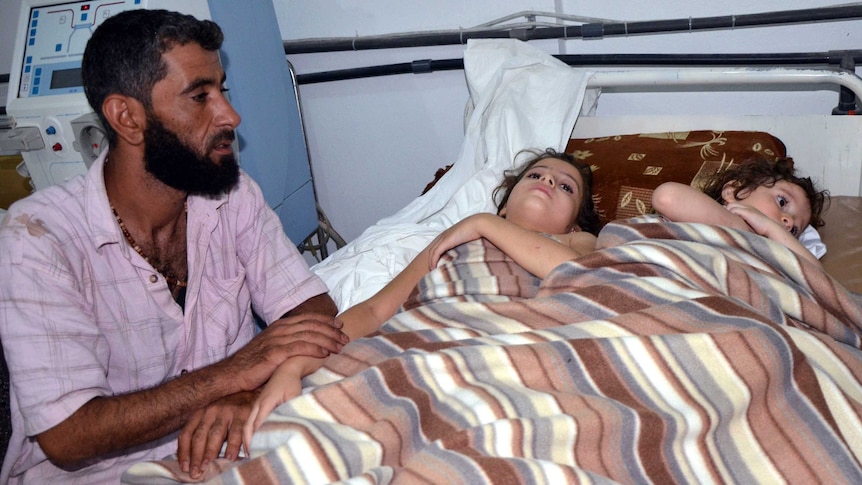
pixel 153 278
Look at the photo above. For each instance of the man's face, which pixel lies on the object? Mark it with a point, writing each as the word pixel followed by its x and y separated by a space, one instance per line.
pixel 176 164
pixel 191 125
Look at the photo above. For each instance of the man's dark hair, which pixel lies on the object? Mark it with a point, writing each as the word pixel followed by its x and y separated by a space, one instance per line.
pixel 124 55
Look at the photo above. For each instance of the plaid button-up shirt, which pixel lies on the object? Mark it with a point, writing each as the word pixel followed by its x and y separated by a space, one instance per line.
pixel 83 315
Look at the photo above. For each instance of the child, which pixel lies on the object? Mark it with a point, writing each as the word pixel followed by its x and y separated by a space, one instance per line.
pixel 759 196
pixel 545 217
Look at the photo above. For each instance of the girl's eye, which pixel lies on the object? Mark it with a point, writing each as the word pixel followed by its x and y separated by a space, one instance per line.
pixel 567 188
pixel 782 201
pixel 533 175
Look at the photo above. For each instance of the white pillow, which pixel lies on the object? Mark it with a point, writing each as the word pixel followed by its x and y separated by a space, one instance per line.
pixel 810 238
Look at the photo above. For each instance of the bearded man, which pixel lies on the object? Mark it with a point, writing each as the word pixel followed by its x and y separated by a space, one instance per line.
pixel 128 295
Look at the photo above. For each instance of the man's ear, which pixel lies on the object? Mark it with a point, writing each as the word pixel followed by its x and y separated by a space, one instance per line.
pixel 127 116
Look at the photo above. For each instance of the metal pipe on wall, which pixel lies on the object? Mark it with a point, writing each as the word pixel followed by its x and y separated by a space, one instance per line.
pixel 585 31
pixel 830 58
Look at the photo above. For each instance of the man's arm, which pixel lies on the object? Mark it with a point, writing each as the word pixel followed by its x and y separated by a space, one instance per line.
pixel 203 434
pixel 107 424
pixel 113 423
pixel 359 321
pixel 322 304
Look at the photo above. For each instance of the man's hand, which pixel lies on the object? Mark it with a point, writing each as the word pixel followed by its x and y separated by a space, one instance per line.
pixel 201 438
pixel 312 335
pixel 309 330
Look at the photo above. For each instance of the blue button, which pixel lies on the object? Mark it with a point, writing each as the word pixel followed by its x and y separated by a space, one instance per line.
pixel 51 130
pixel 83 16
pixel 38 71
pixel 36 14
pixel 36 81
pixel 58 47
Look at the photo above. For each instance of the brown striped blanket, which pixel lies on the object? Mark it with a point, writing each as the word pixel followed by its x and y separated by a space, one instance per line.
pixel 677 353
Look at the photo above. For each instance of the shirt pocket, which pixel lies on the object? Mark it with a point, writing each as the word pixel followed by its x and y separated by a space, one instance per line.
pixel 225 310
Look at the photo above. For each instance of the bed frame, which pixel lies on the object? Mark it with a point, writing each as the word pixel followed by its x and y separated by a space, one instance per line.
pixel 837 166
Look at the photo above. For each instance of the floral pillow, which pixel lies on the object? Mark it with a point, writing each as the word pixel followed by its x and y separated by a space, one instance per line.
pixel 627 168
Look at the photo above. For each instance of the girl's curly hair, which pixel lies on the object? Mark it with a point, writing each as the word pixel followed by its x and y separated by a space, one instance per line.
pixel 758 171
pixel 588 218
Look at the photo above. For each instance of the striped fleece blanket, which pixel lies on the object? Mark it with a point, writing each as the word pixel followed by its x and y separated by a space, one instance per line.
pixel 677 353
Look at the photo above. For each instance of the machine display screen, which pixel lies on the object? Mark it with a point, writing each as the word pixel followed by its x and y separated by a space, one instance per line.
pixel 54 45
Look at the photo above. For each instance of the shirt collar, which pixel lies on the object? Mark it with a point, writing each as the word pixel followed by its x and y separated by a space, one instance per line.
pixel 103 224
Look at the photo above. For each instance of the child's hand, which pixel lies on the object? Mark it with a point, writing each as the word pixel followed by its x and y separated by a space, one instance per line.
pixel 284 384
pixel 759 222
pixel 464 231
pixel 771 229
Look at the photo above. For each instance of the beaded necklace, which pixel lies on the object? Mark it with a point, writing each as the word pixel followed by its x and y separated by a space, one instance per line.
pixel 174 282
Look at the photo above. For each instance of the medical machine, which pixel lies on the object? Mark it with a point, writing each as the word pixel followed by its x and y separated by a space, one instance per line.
pixel 59 135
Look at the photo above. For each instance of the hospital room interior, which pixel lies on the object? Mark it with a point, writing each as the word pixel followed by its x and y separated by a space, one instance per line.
pixel 381 139
pixel 387 123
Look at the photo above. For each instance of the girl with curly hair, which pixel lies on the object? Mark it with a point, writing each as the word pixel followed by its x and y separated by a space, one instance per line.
pixel 761 196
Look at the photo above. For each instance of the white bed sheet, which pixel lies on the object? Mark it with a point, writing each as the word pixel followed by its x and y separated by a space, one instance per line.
pixel 523 98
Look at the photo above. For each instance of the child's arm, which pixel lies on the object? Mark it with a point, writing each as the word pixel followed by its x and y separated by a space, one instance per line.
pixel 684 203
pixel 284 384
pixel 766 227
pixel 538 254
pixel 358 321
pixel 535 252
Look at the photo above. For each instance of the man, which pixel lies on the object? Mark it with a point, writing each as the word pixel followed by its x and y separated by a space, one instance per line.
pixel 127 296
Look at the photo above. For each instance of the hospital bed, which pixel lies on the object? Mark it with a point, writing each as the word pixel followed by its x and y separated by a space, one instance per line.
pixel 674 353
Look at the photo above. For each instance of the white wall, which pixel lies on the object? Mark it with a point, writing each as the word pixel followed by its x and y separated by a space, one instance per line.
pixel 376 142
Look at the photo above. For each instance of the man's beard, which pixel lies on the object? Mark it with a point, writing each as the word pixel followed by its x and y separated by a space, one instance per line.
pixel 177 165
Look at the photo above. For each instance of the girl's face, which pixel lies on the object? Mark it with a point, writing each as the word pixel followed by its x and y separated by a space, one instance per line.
pixel 784 202
pixel 547 198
